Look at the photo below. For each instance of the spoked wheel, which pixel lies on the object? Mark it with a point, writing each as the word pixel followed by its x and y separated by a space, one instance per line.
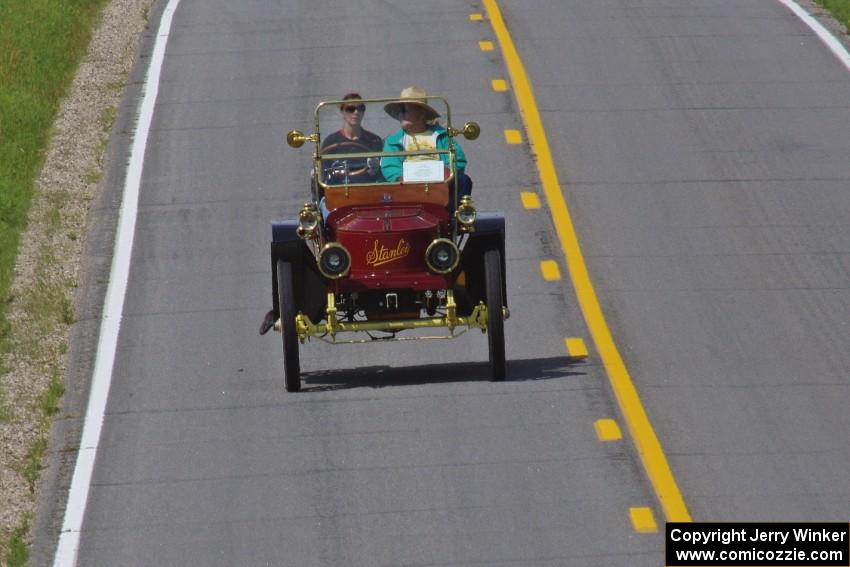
pixel 286 295
pixel 495 321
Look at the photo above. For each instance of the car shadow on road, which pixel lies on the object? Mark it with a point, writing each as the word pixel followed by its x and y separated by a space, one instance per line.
pixel 559 367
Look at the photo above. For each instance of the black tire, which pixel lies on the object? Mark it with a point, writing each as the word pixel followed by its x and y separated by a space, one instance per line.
pixel 495 321
pixel 286 295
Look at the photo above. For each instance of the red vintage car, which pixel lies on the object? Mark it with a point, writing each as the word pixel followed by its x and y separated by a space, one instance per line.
pixel 368 259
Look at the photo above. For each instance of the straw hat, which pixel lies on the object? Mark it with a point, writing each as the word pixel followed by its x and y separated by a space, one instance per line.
pixel 411 95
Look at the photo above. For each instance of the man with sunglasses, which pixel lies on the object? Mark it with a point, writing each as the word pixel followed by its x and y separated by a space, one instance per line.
pixel 351 138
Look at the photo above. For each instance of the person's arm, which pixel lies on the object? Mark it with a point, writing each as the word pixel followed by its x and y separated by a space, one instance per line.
pixel 391 166
pixel 333 138
pixel 460 157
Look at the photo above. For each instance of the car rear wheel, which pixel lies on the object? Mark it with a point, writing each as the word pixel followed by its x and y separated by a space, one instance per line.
pixel 495 321
pixel 286 295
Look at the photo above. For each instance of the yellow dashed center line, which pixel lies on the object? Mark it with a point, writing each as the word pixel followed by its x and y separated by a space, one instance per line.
pixel 643 520
pixel 576 347
pixel 513 136
pixel 476 17
pixel 499 85
pixel 530 200
pixel 485 45
pixel 550 270
pixel 607 430
pixel 646 441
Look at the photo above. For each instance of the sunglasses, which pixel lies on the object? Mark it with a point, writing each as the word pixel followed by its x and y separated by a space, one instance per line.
pixel 353 109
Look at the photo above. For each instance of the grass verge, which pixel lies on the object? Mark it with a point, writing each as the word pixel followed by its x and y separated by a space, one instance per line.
pixel 17 554
pixel 840 9
pixel 42 42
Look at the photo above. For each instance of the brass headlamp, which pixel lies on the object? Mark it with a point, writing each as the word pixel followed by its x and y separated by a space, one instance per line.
pixel 308 221
pixel 470 131
pixel 466 214
pixel 296 138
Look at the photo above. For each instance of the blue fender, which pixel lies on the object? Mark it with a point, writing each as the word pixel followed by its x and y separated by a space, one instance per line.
pixel 284 231
pixel 310 286
pixel 489 233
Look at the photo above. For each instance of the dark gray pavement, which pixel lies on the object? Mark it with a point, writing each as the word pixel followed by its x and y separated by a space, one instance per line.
pixel 702 148
pixel 394 454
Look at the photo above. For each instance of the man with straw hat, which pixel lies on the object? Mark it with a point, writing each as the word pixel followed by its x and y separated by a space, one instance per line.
pixel 419 131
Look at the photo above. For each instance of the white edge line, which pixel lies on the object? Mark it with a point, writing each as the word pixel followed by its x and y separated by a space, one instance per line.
pixel 824 34
pixel 69 537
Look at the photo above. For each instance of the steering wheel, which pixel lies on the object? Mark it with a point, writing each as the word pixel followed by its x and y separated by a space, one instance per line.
pixel 333 148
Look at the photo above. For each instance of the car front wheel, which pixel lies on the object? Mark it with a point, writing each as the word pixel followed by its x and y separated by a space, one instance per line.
pixel 286 293
pixel 495 320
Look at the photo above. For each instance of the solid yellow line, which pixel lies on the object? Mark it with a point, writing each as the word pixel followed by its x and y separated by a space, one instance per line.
pixel 646 441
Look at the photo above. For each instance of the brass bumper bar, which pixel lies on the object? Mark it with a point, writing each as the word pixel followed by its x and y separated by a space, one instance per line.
pixel 306 328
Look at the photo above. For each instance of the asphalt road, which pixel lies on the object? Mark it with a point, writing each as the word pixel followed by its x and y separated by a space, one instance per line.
pixel 705 151
pixel 702 147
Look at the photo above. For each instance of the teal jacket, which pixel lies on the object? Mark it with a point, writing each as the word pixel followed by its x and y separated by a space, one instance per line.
pixel 391 166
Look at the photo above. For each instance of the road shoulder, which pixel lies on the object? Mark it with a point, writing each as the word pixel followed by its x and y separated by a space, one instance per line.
pixel 64 260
